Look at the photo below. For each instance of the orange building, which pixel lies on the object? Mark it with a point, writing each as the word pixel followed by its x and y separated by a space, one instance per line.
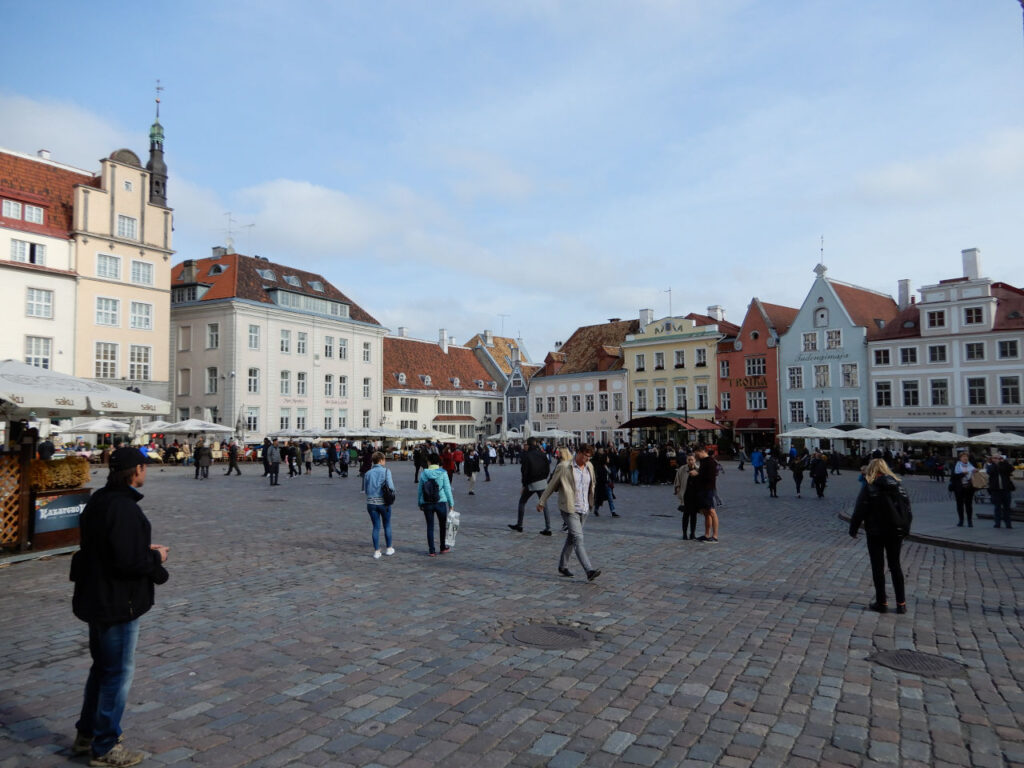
pixel 748 375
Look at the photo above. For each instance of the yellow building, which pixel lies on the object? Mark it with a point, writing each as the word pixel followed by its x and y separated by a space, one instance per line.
pixel 673 363
pixel 122 244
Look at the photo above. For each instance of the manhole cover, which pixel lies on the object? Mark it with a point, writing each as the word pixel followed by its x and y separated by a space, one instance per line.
pixel 549 636
pixel 919 663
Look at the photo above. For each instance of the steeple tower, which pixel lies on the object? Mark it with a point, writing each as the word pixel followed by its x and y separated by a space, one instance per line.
pixel 156 166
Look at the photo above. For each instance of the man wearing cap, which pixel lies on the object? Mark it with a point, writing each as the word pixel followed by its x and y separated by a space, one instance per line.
pixel 114 572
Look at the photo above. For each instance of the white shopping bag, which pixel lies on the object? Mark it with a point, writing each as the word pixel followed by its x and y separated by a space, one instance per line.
pixel 452 529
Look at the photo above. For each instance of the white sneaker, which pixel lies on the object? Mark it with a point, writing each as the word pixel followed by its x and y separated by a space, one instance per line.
pixel 389 551
pixel 376 555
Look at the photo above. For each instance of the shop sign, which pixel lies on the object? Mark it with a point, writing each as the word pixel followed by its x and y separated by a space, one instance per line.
pixel 59 512
pixel 995 412
pixel 750 382
pixel 819 357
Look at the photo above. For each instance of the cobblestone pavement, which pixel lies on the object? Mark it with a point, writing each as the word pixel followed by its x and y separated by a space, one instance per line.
pixel 279 640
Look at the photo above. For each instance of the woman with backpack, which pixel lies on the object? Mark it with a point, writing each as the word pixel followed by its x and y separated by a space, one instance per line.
pixel 435 498
pixel 883 507
pixel 380 495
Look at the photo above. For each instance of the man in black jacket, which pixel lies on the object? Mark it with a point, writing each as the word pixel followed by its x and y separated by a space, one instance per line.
pixel 533 468
pixel 114 574
pixel 1000 488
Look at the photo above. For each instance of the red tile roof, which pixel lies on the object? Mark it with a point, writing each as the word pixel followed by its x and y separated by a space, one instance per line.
pixel 240 279
pixel 582 352
pixel 500 350
pixel 1009 315
pixel 864 306
pixel 42 182
pixel 779 317
pixel 729 329
pixel 416 359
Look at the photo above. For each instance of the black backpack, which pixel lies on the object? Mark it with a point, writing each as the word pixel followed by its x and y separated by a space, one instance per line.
pixel 431 491
pixel 900 516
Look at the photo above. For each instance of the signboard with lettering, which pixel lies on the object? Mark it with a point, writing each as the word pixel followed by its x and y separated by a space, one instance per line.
pixel 58 512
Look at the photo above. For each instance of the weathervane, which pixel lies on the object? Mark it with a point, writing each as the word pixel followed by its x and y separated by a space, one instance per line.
pixel 159 90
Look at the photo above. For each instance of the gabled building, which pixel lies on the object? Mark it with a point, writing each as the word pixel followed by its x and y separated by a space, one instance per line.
pixel 952 361
pixel 86 259
pixel 583 385
pixel 272 347
pixel 748 371
pixel 509 364
pixel 673 363
pixel 438 385
pixel 823 356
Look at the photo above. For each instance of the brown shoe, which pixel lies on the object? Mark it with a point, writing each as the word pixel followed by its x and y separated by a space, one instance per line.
pixel 118 757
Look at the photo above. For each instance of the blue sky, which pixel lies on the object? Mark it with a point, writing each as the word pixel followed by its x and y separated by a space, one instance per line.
pixel 545 165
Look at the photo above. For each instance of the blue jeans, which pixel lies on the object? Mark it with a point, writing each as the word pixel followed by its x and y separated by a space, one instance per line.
pixel 759 473
pixel 379 512
pixel 112 647
pixel 611 495
pixel 634 477
pixel 440 509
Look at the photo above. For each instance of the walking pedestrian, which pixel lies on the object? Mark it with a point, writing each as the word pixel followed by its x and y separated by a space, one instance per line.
pixel 797 465
pixel 574 482
pixel 757 462
pixel 819 473
pixel 435 499
pixel 605 492
pixel 233 458
pixel 963 490
pixel 879 497
pixel 771 468
pixel 273 455
pixel 264 457
pixel 114 572
pixel 332 459
pixel 377 479
pixel 471 467
pixel 533 473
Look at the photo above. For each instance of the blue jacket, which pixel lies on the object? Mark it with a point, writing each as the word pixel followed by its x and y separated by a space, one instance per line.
pixel 443 483
pixel 376 478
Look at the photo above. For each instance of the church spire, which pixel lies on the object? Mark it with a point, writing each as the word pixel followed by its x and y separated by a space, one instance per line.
pixel 156 166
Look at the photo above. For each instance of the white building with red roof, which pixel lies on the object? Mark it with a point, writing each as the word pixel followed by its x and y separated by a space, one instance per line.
pixel 271 346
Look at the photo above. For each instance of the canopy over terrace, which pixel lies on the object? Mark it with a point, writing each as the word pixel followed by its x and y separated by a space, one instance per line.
pixel 671 420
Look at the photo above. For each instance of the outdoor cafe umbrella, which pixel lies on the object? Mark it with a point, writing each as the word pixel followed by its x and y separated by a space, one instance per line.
pixel 100 427
pixel 997 438
pixel 26 390
pixel 195 426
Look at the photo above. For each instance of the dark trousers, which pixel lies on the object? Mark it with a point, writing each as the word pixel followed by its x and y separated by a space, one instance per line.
pixel 525 497
pixel 964 504
pixel 690 519
pixel 233 464
pixel 440 509
pixel 266 466
pixel 880 550
pixel 1000 506
pixel 819 486
pixel 275 468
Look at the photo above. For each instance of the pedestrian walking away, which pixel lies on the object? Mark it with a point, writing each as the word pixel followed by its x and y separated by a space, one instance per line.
pixel 797 465
pixel 574 481
pixel 819 474
pixel 435 499
pixel 883 508
pixel 771 468
pixel 378 502
pixel 471 468
pixel 757 462
pixel 114 572
pixel 273 456
pixel 533 471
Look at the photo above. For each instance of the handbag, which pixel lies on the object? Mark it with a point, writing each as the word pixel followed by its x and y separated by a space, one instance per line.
pixel 386 493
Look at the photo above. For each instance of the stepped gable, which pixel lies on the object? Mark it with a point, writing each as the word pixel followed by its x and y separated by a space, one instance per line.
pixel 240 279
pixel 417 359
pixel 867 308
pixel 42 182
pixel 581 353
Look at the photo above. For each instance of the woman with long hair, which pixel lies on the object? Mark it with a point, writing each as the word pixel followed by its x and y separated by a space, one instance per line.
pixel 881 494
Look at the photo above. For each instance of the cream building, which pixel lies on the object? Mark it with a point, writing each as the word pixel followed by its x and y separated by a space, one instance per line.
pixel 266 346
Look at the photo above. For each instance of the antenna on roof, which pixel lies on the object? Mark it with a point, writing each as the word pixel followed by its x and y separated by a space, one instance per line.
pixel 669 292
pixel 504 316
pixel 231 232
pixel 159 89
pixel 822 259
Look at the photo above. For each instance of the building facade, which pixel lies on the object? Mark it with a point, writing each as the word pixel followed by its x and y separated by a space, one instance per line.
pixel 823 357
pixel 509 364
pixel 265 346
pixel 439 386
pixel 583 386
pixel 673 363
pixel 748 371
pixel 952 361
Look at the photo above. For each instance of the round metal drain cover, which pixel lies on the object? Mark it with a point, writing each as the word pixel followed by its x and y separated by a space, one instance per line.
pixel 549 636
pixel 926 664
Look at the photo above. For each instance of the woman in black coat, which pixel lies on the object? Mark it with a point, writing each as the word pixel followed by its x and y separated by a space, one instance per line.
pixel 880 495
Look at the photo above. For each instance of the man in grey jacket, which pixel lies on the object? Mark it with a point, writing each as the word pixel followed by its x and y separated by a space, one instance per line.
pixel 274 458
pixel 574 481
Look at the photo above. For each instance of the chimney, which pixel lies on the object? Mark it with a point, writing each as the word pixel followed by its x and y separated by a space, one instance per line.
pixel 972 263
pixel 488 338
pixel 190 271
pixel 44 154
pixel 219 251
pixel 646 316
pixel 903 294
pixel 402 331
pixel 515 354
pixel 717 311
pixel 442 340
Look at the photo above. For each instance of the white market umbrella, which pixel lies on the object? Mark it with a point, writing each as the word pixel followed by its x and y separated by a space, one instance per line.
pixel 154 426
pixel 931 436
pixel 195 426
pixel 805 432
pixel 100 427
pixel 997 438
pixel 865 434
pixel 891 434
pixel 27 389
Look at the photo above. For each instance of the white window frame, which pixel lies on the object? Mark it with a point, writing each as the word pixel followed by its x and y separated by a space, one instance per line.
pixel 757 400
pixel 823 410
pixel 255 332
pixel 212 380
pixel 140 369
pixel 127 227
pixel 141 320
pixel 253 381
pixel 797 412
pixel 999 349
pixel 1005 384
pixel 39 303
pixel 795 377
pixel 367 350
pixel 108 266
pixel 945 354
pixel 39 351
pixel 851 410
pixel 213 335
pixel 108 312
pixel 367 387
pixel 27 252
pixel 974 345
pixel 910 393
pixel 114 363
pixel 286 342
pixel 285 380
pixel 809 341
pixel 834 338
pixel 300 386
pixel 932 389
pixel 301 342
pixel 139 270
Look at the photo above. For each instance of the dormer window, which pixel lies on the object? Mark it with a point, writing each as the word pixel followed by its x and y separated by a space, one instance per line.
pixel 494 385
pixel 293 280
pixel 217 269
pixel 479 383
pixel 266 274
pixel 426 379
pixel 456 383
pixel 821 318
pixel 401 378
pixel 316 285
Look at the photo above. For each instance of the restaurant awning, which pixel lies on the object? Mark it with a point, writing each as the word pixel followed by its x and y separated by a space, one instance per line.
pixel 654 422
pixel 755 425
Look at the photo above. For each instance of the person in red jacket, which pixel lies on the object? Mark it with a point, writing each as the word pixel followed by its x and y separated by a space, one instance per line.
pixel 448 461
